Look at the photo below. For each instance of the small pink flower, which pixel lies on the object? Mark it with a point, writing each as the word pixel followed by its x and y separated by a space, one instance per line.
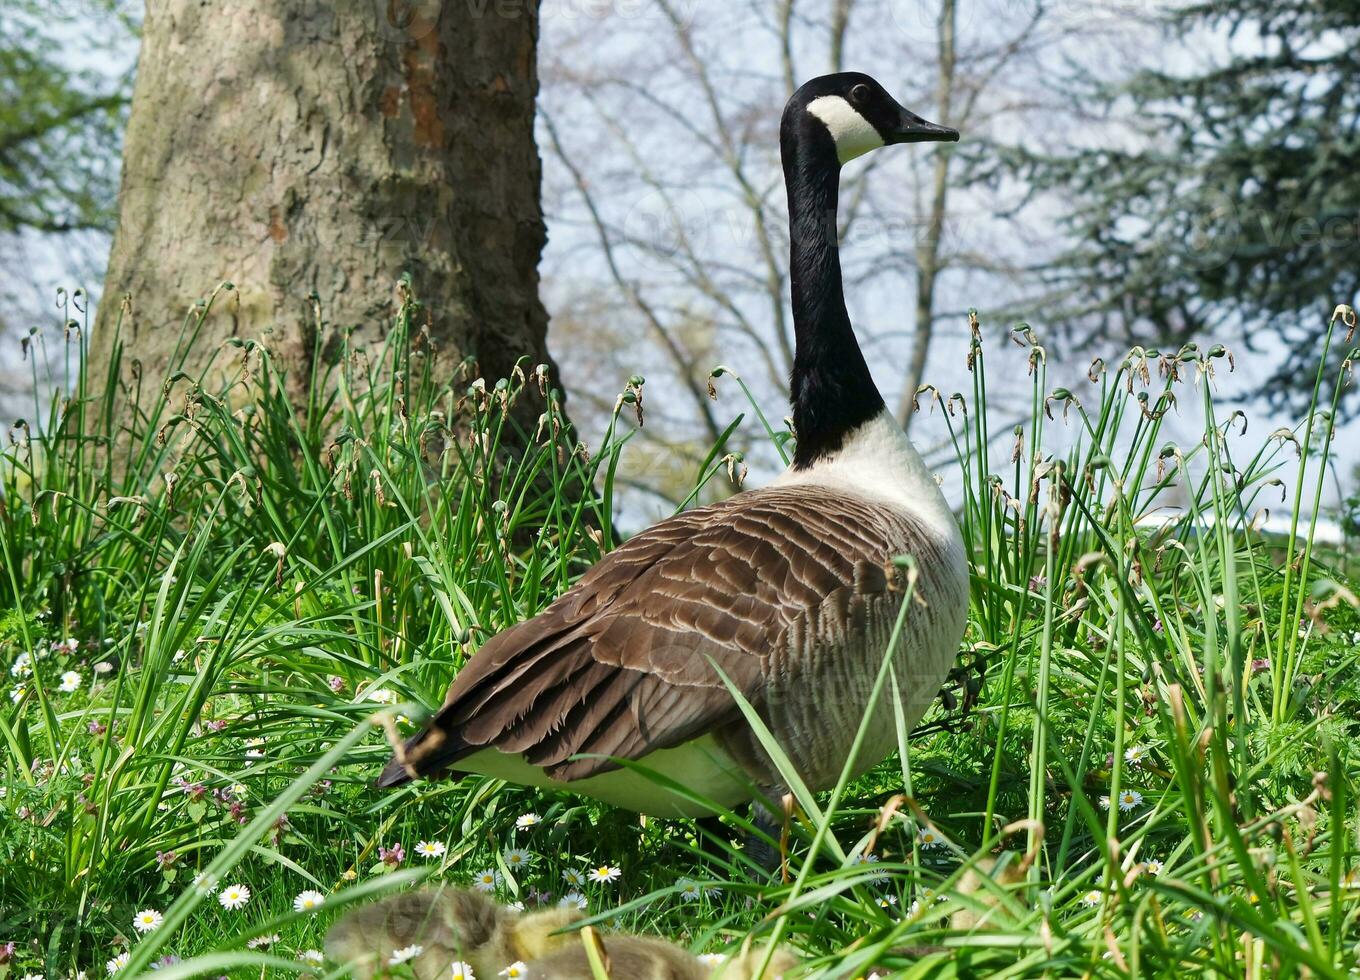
pixel 392 856
pixel 165 859
pixel 97 728
pixel 336 684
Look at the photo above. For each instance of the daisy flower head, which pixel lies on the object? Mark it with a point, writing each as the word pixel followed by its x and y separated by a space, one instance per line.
pixel 487 881
pixel 382 695
pixel 461 971
pixel 862 860
pixel 605 874
pixel 929 837
pixel 117 963
pixel 262 942
pixel 573 877
pixel 146 920
pixel 1135 754
pixel 527 821
pixel 1104 802
pixel 405 954
pixel 1153 867
pixel 312 957
pixel 308 901
pixel 712 960
pixel 689 889
pixel 1129 799
pixel 234 897
pixel 1092 898
pixel 22 666
pixel 515 970
pixel 430 849
pixel 573 899
pixel 169 959
pixel 70 682
pixel 886 901
pixel 517 858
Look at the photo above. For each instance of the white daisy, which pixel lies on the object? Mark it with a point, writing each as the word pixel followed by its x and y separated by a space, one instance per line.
pixel 70 682
pixel 146 920
pixel 605 874
pixel 312 957
pixel 308 901
pixel 517 858
pixel 382 695
pixel 430 849
pixel 527 820
pixel 487 881
pixel 689 889
pixel 234 897
pixel 1129 799
pixel 461 971
pixel 1135 754
pixel 262 942
pixel 1153 867
pixel 23 665
pixel 1104 802
pixel 117 963
pixel 878 875
pixel 17 692
pixel 515 970
pixel 886 901
pixel 573 899
pixel 404 954
pixel 573 877
pixel 1091 898
pixel 928 837
pixel 711 960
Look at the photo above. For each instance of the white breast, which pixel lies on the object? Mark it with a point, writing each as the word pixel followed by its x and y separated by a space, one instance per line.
pixel 878 460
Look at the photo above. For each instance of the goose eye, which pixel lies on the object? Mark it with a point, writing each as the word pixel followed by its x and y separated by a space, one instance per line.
pixel 859 94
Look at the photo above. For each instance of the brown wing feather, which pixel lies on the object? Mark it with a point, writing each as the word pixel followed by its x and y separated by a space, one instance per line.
pixel 622 664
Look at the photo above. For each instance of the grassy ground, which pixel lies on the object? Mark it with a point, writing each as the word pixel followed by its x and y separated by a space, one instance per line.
pixel 205 604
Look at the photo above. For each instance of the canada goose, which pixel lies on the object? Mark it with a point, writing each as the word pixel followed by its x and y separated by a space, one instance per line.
pixel 442 926
pixel 782 588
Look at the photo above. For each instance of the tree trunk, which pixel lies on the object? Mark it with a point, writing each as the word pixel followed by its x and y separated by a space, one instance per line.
pixel 327 146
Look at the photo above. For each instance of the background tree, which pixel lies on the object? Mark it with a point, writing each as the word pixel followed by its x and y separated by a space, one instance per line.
pixel 60 124
pixel 1229 206
pixel 301 149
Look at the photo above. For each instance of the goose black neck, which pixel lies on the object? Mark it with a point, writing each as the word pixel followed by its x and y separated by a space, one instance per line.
pixel 832 390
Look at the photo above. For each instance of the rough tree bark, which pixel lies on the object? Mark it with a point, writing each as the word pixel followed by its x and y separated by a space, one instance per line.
pixel 327 146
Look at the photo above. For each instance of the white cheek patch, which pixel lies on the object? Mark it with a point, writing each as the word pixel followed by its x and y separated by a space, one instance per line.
pixel 853 134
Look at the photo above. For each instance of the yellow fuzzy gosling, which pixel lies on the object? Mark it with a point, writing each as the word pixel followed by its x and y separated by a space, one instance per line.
pixel 432 929
pixel 644 958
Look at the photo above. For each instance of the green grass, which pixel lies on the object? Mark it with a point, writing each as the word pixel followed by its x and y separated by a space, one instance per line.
pixel 249 582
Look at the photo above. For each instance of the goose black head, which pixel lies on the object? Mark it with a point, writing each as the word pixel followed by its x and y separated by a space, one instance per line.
pixel 849 114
